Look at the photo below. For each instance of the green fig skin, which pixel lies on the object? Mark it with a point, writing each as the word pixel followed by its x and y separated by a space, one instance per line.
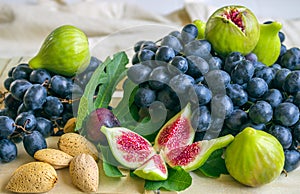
pixel 254 158
pixel 65 51
pixel 268 47
pixel 226 37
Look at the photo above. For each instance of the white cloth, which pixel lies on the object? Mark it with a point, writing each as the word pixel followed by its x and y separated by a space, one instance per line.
pixel 110 26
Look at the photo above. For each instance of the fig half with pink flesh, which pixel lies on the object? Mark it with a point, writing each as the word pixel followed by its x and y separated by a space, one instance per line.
pixel 130 149
pixel 191 157
pixel 177 132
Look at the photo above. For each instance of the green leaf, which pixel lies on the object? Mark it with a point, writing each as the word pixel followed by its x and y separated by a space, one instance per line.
pixel 111 170
pixel 214 166
pixel 110 164
pixel 107 81
pixel 178 180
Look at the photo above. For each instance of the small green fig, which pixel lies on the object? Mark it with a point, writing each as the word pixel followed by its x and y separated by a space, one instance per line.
pixel 268 47
pixel 65 51
pixel 201 28
pixel 254 157
pixel 232 28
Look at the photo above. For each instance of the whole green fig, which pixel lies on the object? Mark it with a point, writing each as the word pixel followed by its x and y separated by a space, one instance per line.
pixel 65 51
pixel 268 47
pixel 254 158
pixel 232 28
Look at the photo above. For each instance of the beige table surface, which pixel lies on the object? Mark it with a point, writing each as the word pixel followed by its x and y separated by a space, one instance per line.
pixel 127 185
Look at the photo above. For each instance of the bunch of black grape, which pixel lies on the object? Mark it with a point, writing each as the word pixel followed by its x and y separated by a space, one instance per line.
pixel 37 104
pixel 230 93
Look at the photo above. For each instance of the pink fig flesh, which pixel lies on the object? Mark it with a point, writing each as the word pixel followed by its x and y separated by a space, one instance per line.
pixel 177 132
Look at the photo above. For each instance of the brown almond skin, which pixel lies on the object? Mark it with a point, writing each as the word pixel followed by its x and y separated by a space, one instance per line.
pixel 84 173
pixel 57 158
pixel 74 144
pixel 33 177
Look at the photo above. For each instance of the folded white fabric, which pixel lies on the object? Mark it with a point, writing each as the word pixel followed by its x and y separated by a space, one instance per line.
pixel 110 26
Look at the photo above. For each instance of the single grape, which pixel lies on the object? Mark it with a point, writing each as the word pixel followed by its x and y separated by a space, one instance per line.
pixel 7 126
pixel 137 45
pixel 202 118
pixel 279 78
pixel 292 160
pixel 159 77
pixel 39 76
pixel 94 63
pixel 18 88
pixel 168 97
pixel 221 106
pixel 197 66
pixel 283 134
pixel 286 113
pixel 53 106
pixel 33 142
pixel 292 82
pixel 21 72
pixel 251 57
pixel 180 63
pixel 145 55
pixel 203 94
pixel 232 60
pixel 139 73
pixel 257 87
pixel 236 120
pixel 35 97
pixel 61 86
pixel 189 32
pixel 172 42
pixel 26 120
pixel 11 102
pixel 237 94
pixel 164 53
pixel 273 97
pixel 44 126
pixel 144 97
pixel 260 112
pixel 265 73
pixel 197 48
pixel 291 59
pixel 8 150
pixel 242 72
pixel 181 83
pixel 7 82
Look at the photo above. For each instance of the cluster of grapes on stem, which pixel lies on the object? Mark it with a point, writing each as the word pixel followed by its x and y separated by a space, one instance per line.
pixel 227 94
pixel 36 105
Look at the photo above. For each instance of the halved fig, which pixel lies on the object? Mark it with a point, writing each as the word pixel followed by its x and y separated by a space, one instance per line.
pixel 129 148
pixel 177 132
pixel 193 156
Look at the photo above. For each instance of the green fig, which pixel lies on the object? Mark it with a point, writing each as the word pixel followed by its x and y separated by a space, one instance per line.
pixel 232 29
pixel 201 28
pixel 65 51
pixel 268 47
pixel 254 157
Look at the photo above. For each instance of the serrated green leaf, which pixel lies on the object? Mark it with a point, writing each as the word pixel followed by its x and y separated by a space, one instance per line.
pixel 111 170
pixel 115 71
pixel 178 180
pixel 214 166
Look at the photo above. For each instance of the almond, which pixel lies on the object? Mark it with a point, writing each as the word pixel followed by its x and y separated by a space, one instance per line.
pixel 57 158
pixel 33 177
pixel 84 172
pixel 74 144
